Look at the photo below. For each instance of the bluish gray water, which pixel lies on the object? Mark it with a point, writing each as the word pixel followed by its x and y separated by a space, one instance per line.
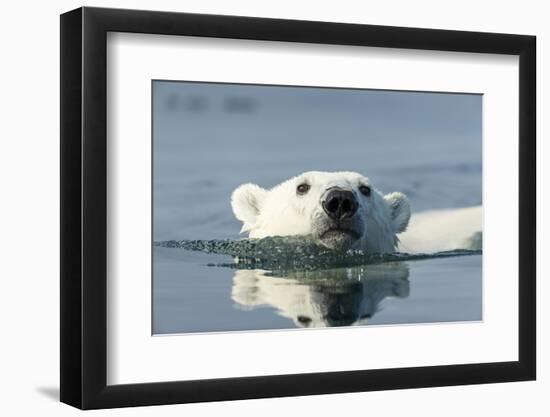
pixel 191 296
pixel 210 138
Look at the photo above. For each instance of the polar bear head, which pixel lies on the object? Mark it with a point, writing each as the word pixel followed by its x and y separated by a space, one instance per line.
pixel 341 210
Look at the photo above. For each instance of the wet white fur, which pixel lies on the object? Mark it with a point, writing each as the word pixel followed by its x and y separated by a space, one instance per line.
pixel 281 212
pixel 440 230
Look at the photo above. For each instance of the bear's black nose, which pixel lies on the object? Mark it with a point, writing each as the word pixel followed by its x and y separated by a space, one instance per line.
pixel 339 204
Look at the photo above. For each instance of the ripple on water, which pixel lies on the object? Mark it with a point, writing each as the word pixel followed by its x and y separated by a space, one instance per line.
pixel 296 253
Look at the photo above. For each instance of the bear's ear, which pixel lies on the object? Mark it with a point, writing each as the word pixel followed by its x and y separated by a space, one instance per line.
pixel 246 201
pixel 400 210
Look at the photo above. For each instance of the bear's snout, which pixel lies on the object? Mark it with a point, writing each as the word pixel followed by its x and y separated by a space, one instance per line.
pixel 338 203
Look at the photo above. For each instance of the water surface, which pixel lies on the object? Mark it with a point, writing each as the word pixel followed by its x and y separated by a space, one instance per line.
pixel 204 292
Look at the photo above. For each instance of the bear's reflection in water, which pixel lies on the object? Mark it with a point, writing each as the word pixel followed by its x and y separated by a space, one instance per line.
pixel 323 298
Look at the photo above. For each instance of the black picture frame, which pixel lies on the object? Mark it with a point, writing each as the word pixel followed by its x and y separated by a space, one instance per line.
pixel 84 207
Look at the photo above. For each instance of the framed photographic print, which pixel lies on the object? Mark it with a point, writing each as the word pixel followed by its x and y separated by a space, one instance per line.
pixel 258 207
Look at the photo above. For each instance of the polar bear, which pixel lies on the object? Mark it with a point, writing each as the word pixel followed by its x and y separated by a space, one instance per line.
pixel 343 210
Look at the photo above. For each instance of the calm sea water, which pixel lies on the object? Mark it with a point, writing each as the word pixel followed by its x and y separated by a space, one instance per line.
pixel 208 139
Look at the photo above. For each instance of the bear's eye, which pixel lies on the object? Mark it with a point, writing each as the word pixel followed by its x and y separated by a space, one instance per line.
pixel 365 190
pixel 302 188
